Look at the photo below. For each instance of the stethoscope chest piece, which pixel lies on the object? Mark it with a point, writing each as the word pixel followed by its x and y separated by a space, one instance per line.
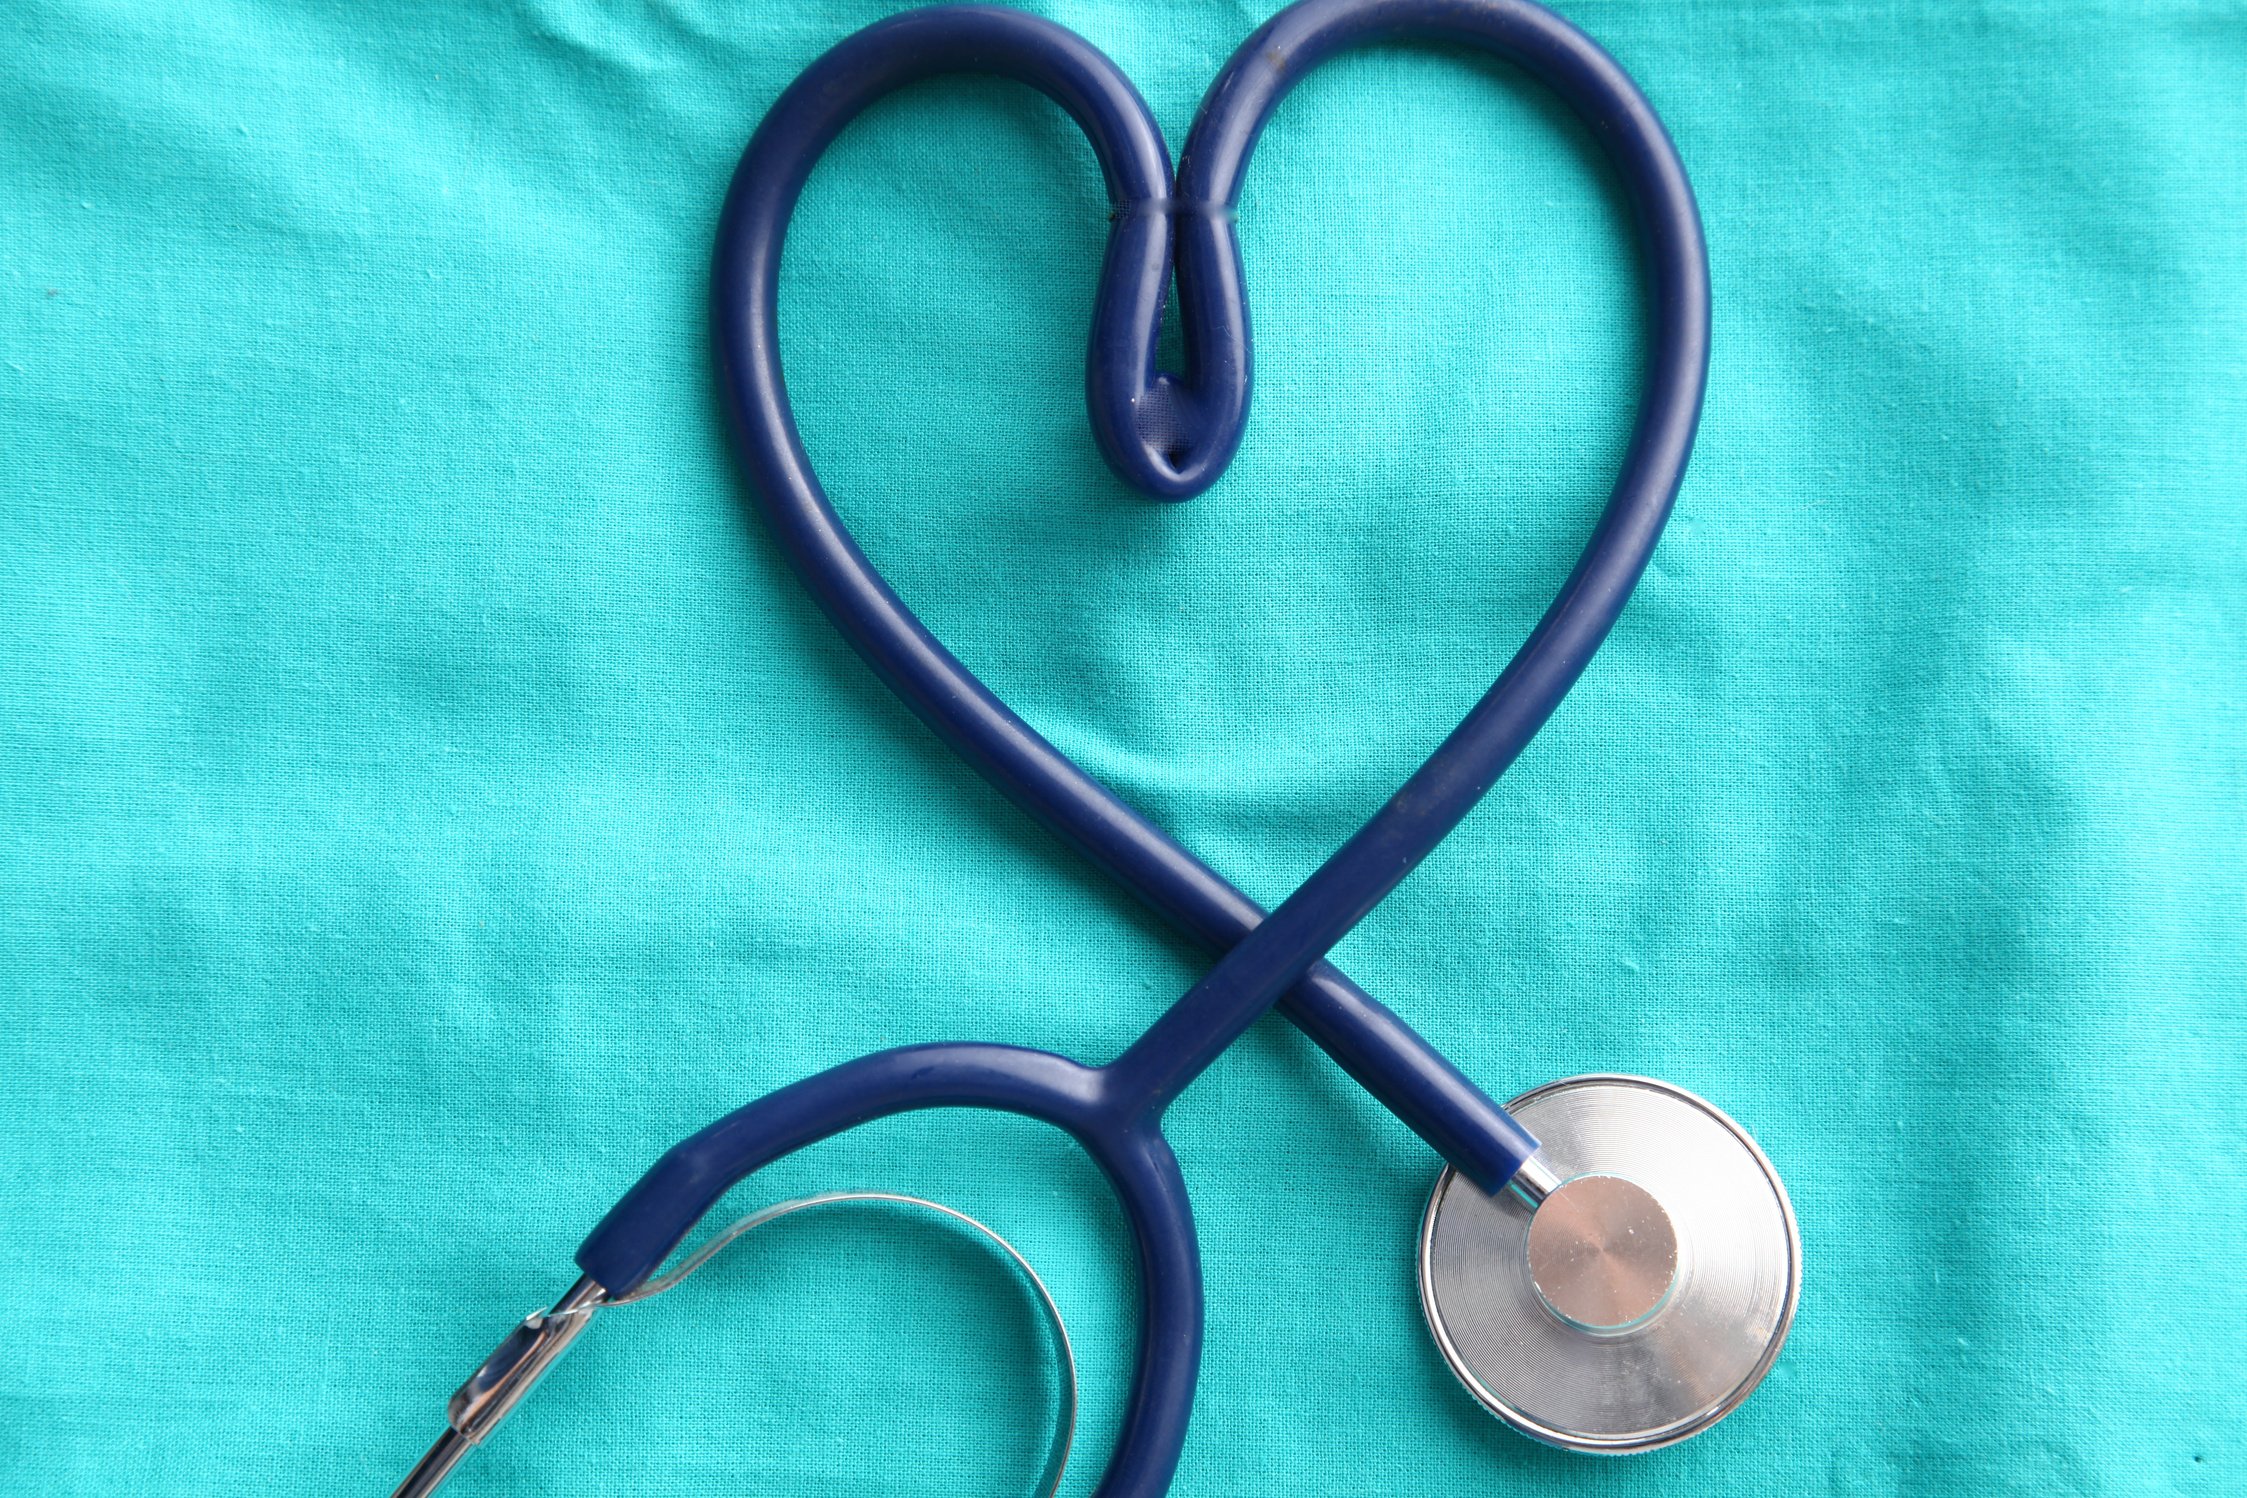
pixel 1643 1297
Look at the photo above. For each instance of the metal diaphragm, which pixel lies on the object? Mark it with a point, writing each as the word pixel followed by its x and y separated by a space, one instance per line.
pixel 1648 1293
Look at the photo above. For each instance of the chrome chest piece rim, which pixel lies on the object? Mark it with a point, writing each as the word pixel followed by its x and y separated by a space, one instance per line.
pixel 1646 1295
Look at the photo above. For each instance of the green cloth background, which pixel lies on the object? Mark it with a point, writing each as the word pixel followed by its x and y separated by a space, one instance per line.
pixel 425 794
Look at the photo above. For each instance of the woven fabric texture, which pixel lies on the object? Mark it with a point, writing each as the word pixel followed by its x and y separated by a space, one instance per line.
pixel 425 794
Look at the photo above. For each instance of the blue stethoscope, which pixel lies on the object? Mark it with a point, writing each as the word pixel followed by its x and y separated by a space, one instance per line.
pixel 1618 1281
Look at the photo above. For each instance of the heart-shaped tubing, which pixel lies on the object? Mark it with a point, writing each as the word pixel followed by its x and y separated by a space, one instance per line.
pixel 1170 436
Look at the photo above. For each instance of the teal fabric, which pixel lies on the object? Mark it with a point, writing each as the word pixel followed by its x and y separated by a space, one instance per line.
pixel 424 793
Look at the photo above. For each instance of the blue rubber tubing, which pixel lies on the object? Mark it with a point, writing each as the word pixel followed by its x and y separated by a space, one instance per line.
pixel 1170 435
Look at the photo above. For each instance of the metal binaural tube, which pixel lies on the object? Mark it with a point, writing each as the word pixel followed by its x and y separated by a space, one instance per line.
pixel 429 1474
pixel 522 1358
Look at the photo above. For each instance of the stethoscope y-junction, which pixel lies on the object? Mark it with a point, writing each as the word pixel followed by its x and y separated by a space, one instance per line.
pixel 1621 1284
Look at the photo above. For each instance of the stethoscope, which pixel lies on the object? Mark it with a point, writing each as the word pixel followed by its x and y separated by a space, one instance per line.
pixel 1617 1280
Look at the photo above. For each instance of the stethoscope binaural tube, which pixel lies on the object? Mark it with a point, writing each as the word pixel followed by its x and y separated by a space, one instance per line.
pixel 1170 436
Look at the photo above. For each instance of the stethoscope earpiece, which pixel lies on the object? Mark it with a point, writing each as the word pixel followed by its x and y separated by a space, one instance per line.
pixel 1632 1287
